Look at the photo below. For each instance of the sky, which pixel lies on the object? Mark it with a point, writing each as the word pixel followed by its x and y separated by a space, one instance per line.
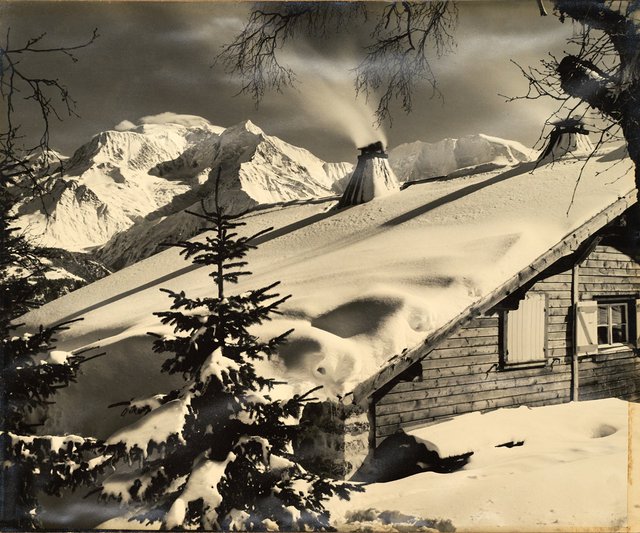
pixel 154 57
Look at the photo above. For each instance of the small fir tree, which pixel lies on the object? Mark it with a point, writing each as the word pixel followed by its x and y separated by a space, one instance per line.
pixel 33 371
pixel 216 453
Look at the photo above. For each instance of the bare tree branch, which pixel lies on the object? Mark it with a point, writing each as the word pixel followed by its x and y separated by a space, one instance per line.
pixel 406 36
pixel 48 94
pixel 25 166
pixel 254 55
pixel 404 39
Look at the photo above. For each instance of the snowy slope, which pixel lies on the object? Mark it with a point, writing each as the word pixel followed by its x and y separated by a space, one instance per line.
pixel 161 166
pixel 570 474
pixel 367 281
pixel 572 456
pixel 419 160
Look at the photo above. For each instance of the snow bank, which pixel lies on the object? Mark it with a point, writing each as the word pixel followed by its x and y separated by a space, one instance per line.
pixel 570 472
pixel 532 426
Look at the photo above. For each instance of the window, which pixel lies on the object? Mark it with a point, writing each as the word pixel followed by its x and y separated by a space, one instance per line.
pixel 606 322
pixel 613 323
pixel 525 332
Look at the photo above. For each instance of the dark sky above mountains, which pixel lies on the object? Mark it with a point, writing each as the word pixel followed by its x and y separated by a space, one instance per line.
pixel 156 57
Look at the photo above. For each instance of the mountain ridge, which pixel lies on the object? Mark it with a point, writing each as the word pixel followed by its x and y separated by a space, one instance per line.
pixel 125 176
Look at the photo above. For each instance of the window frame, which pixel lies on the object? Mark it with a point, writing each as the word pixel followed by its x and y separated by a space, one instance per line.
pixel 609 304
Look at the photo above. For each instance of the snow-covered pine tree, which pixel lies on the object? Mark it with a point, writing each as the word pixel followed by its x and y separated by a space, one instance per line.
pixel 31 371
pixel 216 453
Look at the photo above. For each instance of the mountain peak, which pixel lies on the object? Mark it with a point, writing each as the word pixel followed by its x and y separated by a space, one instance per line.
pixel 246 125
pixel 161 166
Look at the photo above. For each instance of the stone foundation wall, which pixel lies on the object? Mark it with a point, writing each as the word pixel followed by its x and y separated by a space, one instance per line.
pixel 335 439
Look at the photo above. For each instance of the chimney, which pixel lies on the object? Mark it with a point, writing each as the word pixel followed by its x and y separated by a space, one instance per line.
pixel 371 178
pixel 568 137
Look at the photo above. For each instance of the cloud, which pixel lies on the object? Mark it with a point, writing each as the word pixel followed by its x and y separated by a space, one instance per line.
pixel 125 125
pixel 174 118
pixel 164 118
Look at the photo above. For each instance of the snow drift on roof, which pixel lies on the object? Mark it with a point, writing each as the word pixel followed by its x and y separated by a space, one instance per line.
pixel 367 281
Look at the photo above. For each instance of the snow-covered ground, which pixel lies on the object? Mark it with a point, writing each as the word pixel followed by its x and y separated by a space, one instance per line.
pixel 367 282
pixel 570 473
pixel 573 472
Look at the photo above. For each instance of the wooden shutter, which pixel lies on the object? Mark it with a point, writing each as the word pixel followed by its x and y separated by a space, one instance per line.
pixel 586 314
pixel 526 330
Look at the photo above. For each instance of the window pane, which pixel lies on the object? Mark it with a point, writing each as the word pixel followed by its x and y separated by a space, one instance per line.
pixel 618 314
pixel 603 314
pixel 619 333
pixel 602 335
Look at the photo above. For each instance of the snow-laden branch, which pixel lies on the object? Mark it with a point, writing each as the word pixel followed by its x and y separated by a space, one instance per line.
pixel 584 80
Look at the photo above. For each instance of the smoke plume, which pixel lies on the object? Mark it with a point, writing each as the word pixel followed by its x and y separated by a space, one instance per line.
pixel 326 95
pixel 343 114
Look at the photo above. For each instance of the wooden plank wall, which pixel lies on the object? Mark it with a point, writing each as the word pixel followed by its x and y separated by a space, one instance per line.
pixel 463 374
pixel 609 272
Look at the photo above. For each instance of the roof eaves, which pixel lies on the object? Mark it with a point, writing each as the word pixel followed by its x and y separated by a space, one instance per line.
pixel 566 246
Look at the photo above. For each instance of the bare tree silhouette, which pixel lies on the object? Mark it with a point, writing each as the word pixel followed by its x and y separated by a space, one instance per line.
pixel 404 36
pixel 49 95
pixel 599 74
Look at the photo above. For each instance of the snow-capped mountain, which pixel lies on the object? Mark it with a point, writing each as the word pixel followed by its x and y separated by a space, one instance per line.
pixel 420 160
pixel 160 167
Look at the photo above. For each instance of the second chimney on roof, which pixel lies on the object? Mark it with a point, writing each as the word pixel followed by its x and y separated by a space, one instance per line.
pixel 569 137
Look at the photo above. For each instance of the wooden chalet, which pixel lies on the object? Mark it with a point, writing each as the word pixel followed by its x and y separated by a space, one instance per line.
pixel 565 328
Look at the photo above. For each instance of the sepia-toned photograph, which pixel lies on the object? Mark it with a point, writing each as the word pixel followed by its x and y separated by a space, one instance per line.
pixel 320 265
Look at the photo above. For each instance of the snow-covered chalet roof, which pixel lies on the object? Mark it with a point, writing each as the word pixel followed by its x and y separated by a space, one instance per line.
pixel 372 280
